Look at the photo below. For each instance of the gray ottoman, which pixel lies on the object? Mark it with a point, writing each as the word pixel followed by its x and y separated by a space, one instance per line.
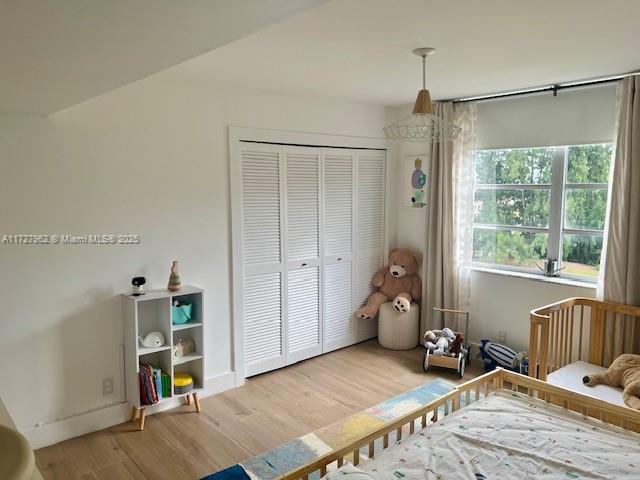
pixel 398 331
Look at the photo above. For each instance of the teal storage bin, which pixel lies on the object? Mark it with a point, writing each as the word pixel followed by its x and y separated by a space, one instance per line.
pixel 181 315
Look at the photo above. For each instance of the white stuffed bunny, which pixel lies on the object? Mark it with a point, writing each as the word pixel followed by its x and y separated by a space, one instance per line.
pixel 439 341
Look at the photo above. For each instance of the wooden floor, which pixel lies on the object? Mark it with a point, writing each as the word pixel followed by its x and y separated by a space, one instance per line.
pixel 269 410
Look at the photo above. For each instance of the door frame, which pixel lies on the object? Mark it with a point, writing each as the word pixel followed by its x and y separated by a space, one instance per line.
pixel 240 135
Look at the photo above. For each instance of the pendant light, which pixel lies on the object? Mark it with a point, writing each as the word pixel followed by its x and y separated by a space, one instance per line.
pixel 422 125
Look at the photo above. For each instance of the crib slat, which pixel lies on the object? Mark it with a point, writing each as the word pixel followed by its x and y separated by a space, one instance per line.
pixel 323 470
pixel 571 334
pixel 581 325
pixel 385 440
pixel 356 456
pixel 371 450
pixel 340 461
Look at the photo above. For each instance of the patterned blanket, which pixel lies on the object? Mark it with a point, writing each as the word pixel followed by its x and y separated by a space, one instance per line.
pixel 307 448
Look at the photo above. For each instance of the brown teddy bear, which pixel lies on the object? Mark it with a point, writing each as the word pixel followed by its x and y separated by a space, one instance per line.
pixel 399 282
pixel 623 372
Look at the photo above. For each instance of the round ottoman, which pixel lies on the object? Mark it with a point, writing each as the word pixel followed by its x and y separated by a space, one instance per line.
pixel 398 331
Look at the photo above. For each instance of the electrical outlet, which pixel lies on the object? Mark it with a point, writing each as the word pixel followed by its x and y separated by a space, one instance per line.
pixel 502 336
pixel 107 386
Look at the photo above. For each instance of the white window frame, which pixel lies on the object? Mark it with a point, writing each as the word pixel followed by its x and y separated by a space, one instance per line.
pixel 556 229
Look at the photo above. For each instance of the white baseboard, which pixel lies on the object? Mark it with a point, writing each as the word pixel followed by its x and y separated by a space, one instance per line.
pixel 102 418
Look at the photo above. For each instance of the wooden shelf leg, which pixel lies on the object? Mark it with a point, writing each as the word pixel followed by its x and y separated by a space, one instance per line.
pixel 196 401
pixel 143 412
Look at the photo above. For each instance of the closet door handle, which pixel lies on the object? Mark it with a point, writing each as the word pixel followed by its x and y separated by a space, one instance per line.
pixel 303 265
pixel 339 259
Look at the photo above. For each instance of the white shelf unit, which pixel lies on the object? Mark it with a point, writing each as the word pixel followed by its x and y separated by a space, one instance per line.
pixel 152 312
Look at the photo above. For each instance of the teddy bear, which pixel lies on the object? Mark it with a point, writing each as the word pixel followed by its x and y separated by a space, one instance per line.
pixel 398 282
pixel 457 346
pixel 623 372
pixel 439 341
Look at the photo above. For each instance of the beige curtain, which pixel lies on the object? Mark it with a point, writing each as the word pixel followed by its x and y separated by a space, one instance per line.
pixel 449 217
pixel 620 275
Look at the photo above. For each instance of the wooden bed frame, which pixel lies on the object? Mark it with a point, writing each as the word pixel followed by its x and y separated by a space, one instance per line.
pixel 580 329
pixel 449 403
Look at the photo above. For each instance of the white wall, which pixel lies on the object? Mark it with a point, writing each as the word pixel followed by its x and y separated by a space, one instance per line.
pixel 148 159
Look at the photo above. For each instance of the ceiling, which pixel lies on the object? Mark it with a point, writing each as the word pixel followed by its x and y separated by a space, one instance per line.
pixel 361 49
pixel 54 54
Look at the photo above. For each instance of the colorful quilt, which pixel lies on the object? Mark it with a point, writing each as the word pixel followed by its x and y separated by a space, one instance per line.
pixel 507 436
pixel 307 448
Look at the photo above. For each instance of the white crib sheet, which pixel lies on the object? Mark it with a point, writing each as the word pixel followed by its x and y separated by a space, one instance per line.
pixel 510 436
pixel 570 377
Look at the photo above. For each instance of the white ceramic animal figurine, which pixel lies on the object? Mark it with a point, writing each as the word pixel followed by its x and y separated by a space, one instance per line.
pixel 152 339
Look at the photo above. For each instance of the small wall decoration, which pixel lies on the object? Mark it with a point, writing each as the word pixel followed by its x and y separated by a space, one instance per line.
pixel 415 181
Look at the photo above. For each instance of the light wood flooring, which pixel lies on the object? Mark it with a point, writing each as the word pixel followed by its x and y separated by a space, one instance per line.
pixel 268 410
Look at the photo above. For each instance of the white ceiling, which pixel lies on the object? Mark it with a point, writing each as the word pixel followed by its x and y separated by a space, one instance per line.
pixel 361 49
pixel 56 53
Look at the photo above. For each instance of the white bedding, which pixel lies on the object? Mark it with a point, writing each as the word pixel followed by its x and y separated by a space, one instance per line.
pixel 570 377
pixel 507 436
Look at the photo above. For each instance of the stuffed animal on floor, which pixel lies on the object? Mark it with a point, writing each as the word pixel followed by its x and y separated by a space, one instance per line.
pixel 623 372
pixel 439 341
pixel 398 282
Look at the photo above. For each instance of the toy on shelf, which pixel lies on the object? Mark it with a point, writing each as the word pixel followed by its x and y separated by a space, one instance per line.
pixel 152 340
pixel 498 355
pixel 183 347
pixel 174 278
pixel 446 348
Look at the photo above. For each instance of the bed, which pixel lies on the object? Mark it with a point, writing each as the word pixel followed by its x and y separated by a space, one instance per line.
pixel 499 425
pixel 580 336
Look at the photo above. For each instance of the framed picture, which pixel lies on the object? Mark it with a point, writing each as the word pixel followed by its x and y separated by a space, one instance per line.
pixel 414 181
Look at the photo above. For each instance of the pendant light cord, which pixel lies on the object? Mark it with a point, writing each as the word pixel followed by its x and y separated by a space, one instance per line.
pixel 424 72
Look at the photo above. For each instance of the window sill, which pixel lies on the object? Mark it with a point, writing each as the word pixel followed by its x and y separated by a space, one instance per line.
pixel 536 277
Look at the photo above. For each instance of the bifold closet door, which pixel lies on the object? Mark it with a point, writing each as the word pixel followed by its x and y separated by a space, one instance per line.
pixel 262 253
pixel 370 231
pixel 302 247
pixel 337 241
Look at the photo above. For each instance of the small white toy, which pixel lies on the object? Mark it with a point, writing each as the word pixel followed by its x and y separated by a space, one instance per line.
pixel 439 341
pixel 152 339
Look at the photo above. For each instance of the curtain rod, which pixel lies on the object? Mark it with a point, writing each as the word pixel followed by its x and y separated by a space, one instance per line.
pixel 555 88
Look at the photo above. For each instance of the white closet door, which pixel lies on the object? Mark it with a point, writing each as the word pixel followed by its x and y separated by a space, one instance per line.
pixel 370 210
pixel 262 252
pixel 337 241
pixel 302 247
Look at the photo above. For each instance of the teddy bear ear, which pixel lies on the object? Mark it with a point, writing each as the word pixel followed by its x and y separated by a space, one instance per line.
pixel 392 251
pixel 418 257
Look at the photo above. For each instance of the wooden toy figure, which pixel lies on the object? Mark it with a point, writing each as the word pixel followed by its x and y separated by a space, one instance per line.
pixel 174 279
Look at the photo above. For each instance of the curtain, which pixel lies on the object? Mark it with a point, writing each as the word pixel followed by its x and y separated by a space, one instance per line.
pixel 620 276
pixel 449 216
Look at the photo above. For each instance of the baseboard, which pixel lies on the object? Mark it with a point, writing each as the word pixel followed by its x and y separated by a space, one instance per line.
pixel 102 418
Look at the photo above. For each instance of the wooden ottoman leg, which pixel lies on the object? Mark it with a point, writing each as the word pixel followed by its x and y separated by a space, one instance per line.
pixel 196 401
pixel 134 413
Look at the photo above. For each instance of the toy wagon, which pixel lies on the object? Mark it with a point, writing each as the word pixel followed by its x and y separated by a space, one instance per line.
pixel 458 362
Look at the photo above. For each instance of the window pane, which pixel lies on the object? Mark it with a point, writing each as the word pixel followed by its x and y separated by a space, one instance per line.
pixel 512 207
pixel 589 163
pixel 509 247
pixel 581 254
pixel 519 166
pixel 585 208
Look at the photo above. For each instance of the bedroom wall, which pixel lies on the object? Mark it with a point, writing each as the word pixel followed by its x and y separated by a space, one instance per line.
pixel 502 302
pixel 148 159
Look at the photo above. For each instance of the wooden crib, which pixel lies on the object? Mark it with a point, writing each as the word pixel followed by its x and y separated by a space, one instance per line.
pixel 581 329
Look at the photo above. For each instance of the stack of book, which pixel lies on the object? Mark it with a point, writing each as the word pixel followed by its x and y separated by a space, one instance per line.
pixel 154 384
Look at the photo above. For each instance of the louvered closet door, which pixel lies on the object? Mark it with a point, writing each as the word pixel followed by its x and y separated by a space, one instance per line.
pixel 262 266
pixel 370 236
pixel 302 247
pixel 337 242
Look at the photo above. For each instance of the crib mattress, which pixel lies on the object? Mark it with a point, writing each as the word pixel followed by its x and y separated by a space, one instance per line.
pixel 507 436
pixel 570 377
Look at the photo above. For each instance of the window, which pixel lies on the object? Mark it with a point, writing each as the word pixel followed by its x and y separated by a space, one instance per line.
pixel 531 204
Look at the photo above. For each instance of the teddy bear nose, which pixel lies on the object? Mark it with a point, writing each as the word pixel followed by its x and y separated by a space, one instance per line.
pixel 395 274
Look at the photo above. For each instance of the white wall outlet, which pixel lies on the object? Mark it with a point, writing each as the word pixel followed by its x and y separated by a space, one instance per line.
pixel 107 386
pixel 502 336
